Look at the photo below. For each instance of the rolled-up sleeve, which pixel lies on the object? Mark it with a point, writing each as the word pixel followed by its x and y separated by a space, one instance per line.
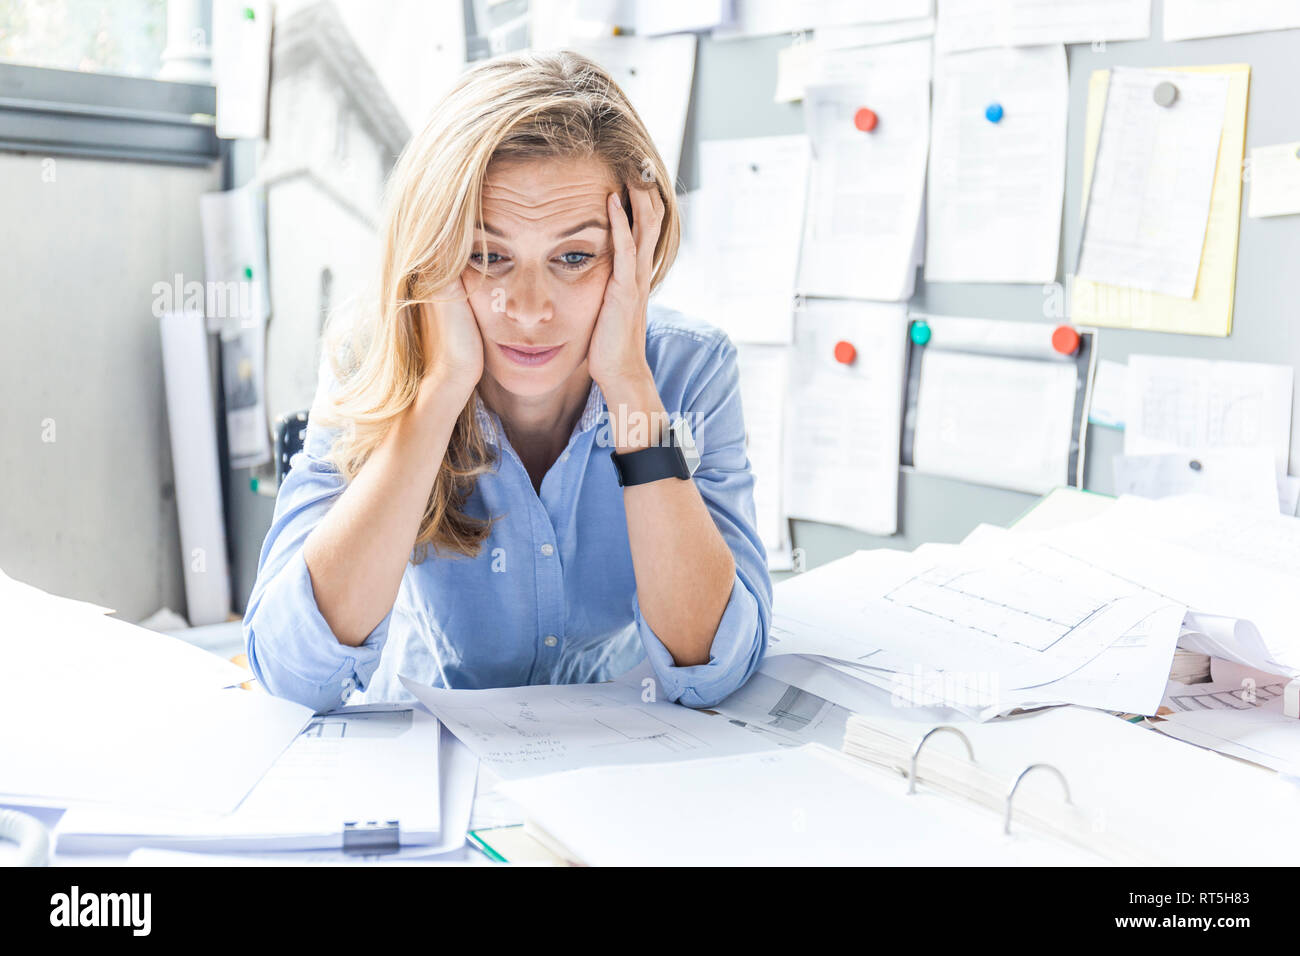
pixel 712 407
pixel 291 649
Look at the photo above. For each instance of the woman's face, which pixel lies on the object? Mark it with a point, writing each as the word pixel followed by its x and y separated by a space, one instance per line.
pixel 541 283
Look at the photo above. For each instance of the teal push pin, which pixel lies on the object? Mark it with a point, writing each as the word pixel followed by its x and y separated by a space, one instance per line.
pixel 920 332
pixel 248 272
pixel 993 113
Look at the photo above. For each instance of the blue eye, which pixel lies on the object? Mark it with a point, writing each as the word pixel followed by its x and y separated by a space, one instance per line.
pixel 477 258
pixel 567 260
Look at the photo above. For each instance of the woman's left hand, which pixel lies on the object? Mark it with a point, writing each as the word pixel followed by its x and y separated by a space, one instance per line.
pixel 616 355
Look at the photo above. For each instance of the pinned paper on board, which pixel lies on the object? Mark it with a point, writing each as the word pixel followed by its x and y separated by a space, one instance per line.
pixel 656 75
pixel 1243 476
pixel 974 24
pixel 1149 194
pixel 870 137
pixel 1209 310
pixel 1274 177
pixel 846 380
pixel 995 184
pixel 241 66
pixel 1192 19
pixel 1186 405
pixel 997 403
pixel 764 373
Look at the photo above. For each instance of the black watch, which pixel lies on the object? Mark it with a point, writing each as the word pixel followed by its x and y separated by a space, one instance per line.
pixel 676 458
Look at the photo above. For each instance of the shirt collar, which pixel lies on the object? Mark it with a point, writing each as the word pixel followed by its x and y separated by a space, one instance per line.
pixel 490 423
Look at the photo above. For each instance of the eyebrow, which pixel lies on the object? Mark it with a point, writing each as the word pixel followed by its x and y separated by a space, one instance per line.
pixel 589 224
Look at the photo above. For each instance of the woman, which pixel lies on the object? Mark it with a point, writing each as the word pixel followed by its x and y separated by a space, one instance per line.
pixel 496 485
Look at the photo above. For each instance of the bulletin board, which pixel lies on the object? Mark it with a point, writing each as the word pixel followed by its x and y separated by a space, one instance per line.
pixel 732 99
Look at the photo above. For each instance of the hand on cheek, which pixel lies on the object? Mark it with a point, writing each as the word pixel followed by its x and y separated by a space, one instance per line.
pixel 616 354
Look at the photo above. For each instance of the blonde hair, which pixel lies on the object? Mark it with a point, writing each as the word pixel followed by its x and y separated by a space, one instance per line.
pixel 518 106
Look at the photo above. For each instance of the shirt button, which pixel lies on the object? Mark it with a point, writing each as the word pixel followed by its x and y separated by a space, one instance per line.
pixel 551 640
pixel 547 550
pixel 564 457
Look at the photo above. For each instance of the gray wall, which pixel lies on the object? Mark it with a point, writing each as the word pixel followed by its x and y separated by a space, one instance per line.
pixel 733 98
pixel 91 515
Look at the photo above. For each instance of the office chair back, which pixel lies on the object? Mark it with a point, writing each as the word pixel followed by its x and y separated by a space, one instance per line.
pixel 290 436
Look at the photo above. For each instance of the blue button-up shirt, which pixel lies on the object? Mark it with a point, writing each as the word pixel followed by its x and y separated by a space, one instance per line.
pixel 551 598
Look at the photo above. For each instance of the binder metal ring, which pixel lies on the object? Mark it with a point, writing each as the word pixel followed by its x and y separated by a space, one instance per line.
pixel 1006 823
pixel 911 774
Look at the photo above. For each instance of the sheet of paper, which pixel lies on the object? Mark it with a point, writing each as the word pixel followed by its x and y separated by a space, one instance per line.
pixel 844 419
pixel 1209 312
pixel 865 195
pixel 753 18
pixel 764 377
pixel 1288 493
pixel 1128 676
pixel 972 24
pixel 241 66
pixel 238 306
pixel 988 621
pixel 681 16
pixel 353 764
pixel 1186 405
pixel 656 75
pixel 1109 397
pixel 1245 476
pixel 526 731
pixel 871 34
pixel 1216 558
pixel 803 806
pixel 1149 200
pixel 1190 19
pixel 996 420
pixel 751 203
pixel 1274 177
pixel 850 54
pixel 785 714
pixel 994 203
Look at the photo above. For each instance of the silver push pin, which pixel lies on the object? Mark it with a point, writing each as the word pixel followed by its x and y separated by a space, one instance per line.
pixel 1165 93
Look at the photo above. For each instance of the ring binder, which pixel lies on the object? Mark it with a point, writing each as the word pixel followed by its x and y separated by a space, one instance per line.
pixel 1006 822
pixel 916 752
pixel 371 837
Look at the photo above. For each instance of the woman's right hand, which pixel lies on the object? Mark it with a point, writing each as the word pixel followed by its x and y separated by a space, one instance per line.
pixel 455 346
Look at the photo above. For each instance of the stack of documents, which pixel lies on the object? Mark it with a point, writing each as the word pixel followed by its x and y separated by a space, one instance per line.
pixel 1239 713
pixel 378 764
pixel 1001 621
pixel 111 713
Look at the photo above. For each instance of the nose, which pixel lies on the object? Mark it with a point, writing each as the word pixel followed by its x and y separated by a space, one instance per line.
pixel 528 300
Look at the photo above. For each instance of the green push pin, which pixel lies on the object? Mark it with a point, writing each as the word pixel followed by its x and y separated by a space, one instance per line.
pixel 920 332
pixel 249 14
pixel 248 272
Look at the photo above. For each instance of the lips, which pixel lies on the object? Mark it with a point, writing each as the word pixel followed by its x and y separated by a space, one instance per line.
pixel 529 355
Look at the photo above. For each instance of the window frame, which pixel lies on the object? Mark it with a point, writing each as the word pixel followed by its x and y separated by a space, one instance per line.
pixel 49 111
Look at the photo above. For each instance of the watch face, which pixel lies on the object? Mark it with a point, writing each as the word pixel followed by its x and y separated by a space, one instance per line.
pixel 686 442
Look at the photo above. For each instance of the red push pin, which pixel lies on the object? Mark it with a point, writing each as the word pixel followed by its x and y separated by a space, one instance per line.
pixel 865 119
pixel 1065 340
pixel 845 353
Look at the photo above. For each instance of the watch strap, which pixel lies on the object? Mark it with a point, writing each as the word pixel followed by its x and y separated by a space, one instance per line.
pixel 650 464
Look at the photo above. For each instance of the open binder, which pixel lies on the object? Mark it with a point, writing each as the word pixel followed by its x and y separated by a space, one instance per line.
pixel 1093 780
